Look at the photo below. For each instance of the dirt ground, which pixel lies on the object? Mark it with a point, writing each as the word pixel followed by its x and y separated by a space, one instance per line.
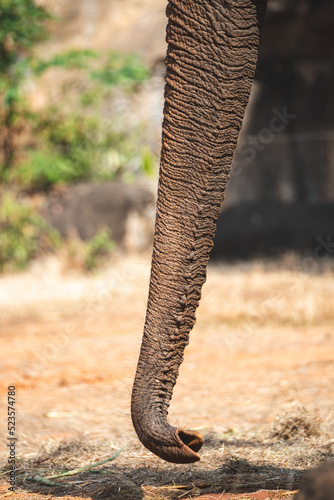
pixel 257 381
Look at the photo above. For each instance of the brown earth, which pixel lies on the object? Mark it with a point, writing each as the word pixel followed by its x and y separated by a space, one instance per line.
pixel 257 380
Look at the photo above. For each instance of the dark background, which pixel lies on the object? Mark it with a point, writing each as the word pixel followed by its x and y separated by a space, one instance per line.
pixel 282 184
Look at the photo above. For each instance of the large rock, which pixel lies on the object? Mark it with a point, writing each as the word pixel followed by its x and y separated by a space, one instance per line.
pixel 83 209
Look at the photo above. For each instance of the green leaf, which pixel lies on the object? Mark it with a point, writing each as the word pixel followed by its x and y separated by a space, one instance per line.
pixel 24 233
pixel 72 59
pixel 122 69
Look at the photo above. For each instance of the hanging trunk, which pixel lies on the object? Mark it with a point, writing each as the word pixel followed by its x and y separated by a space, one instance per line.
pixel 211 59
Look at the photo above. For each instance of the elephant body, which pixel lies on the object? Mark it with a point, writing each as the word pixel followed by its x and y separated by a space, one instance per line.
pixel 211 60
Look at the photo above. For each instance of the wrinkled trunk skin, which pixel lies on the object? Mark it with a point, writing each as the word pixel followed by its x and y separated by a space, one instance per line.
pixel 211 60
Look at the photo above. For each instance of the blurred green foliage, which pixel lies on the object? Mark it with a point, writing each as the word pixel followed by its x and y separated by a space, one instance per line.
pixel 88 255
pixel 122 69
pixel 24 234
pixel 98 249
pixel 75 148
pixel 74 139
pixel 71 59
pixel 43 169
pixel 71 140
pixel 22 24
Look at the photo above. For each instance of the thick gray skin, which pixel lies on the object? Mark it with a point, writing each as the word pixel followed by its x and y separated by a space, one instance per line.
pixel 211 60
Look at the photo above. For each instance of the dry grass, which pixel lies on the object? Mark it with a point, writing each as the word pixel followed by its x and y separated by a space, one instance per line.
pixel 297 424
pixel 263 294
pixel 231 462
pixel 262 341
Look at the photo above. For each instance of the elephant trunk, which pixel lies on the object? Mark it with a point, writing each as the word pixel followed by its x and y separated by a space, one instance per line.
pixel 211 60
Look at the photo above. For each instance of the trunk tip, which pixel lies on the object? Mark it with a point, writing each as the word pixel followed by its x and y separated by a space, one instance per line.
pixel 192 439
pixel 183 449
pixel 190 442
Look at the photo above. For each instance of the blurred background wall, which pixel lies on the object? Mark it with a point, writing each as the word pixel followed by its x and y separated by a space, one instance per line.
pixel 296 74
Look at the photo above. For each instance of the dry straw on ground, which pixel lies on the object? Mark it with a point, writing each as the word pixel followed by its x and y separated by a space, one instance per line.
pixel 297 424
pixel 263 339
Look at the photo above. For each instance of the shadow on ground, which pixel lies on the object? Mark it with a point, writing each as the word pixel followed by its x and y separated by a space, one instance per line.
pixel 135 483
